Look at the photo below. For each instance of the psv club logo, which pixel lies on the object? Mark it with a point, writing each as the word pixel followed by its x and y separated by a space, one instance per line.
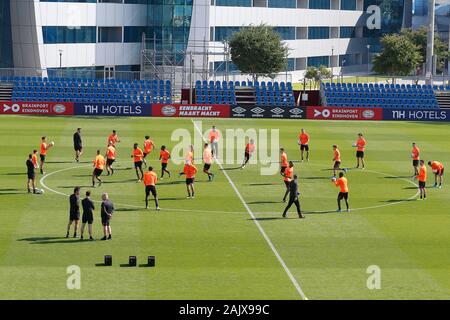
pixel 13 108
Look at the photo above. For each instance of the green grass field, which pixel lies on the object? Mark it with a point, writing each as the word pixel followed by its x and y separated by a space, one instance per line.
pixel 210 247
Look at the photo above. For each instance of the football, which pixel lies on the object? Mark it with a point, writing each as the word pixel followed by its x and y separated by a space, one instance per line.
pixel 52 143
pixel 354 145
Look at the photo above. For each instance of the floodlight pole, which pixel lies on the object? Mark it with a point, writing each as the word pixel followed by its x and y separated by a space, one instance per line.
pixel 430 43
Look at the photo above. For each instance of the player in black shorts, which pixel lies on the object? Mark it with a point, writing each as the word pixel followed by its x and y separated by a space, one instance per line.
pixel 107 210
pixel 88 215
pixel 77 144
pixel 74 213
pixel 31 175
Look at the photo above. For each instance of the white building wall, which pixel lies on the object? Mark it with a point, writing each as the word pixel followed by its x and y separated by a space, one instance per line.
pixel 28 18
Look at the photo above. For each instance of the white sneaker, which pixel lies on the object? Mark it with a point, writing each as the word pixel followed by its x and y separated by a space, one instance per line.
pixel 158 209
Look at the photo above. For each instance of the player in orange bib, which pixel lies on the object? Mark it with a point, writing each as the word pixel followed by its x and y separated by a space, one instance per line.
pixel 342 183
pixel 207 161
pixel 284 161
pixel 360 146
pixel 110 158
pixel 337 160
pixel 249 150
pixel 214 137
pixel 99 166
pixel 415 155
pixel 148 147
pixel 34 159
pixel 422 177
pixel 43 152
pixel 150 179
pixel 303 141
pixel 438 170
pixel 190 171
pixel 288 174
pixel 114 138
pixel 138 156
pixel 164 156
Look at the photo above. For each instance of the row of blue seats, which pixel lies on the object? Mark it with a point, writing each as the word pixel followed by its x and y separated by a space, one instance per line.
pixel 393 106
pixel 38 85
pixel 275 103
pixel 378 85
pixel 216 99
pixel 80 80
pixel 379 95
pixel 102 100
pixel 219 84
pixel 386 101
pixel 380 90
pixel 26 95
pixel 381 104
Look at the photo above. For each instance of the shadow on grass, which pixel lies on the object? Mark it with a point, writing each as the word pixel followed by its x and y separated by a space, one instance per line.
pixel 52 240
pixel 5 192
pixel 314 178
pixel 261 184
pixel 120 181
pixel 398 200
pixel 72 187
pixel 129 209
pixel 263 202
pixel 392 177
pixel 230 169
pixel 15 174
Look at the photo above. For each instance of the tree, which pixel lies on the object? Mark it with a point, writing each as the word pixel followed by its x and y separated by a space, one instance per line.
pixel 317 75
pixel 258 50
pixel 419 39
pixel 399 56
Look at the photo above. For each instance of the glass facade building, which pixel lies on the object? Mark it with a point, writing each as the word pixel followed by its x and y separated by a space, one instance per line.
pixel 6 58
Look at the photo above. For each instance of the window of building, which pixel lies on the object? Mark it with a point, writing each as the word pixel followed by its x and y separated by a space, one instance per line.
pixel 52 34
pixel 318 61
pixel 109 34
pixel 319 4
pixel 318 33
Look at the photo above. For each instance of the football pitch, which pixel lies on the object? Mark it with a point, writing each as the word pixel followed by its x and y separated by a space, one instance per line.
pixel 230 242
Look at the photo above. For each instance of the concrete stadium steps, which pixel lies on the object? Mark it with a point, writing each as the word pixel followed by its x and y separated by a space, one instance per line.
pixel 443 99
pixel 6 91
pixel 245 95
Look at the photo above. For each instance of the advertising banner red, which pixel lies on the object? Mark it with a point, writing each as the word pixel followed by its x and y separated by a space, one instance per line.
pixel 191 110
pixel 344 113
pixel 37 108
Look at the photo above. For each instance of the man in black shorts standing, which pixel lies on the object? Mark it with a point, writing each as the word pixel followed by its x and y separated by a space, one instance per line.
pixel 77 144
pixel 74 213
pixel 88 215
pixel 293 197
pixel 31 174
pixel 150 180
pixel 107 210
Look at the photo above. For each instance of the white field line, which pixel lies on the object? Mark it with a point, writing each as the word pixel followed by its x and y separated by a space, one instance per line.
pixel 258 225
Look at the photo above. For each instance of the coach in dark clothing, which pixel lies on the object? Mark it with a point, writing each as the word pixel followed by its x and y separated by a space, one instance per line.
pixel 74 213
pixel 106 213
pixel 88 215
pixel 77 144
pixel 293 197
pixel 31 183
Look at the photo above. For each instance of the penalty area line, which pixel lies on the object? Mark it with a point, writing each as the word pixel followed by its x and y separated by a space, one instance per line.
pixel 258 225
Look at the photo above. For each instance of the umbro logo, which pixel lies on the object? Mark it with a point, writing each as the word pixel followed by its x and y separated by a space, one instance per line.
pixel 277 111
pixel 257 110
pixel 239 110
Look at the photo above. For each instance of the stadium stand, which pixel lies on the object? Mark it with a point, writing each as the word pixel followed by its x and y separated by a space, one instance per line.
pixel 379 95
pixel 215 92
pixel 109 91
pixel 245 92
